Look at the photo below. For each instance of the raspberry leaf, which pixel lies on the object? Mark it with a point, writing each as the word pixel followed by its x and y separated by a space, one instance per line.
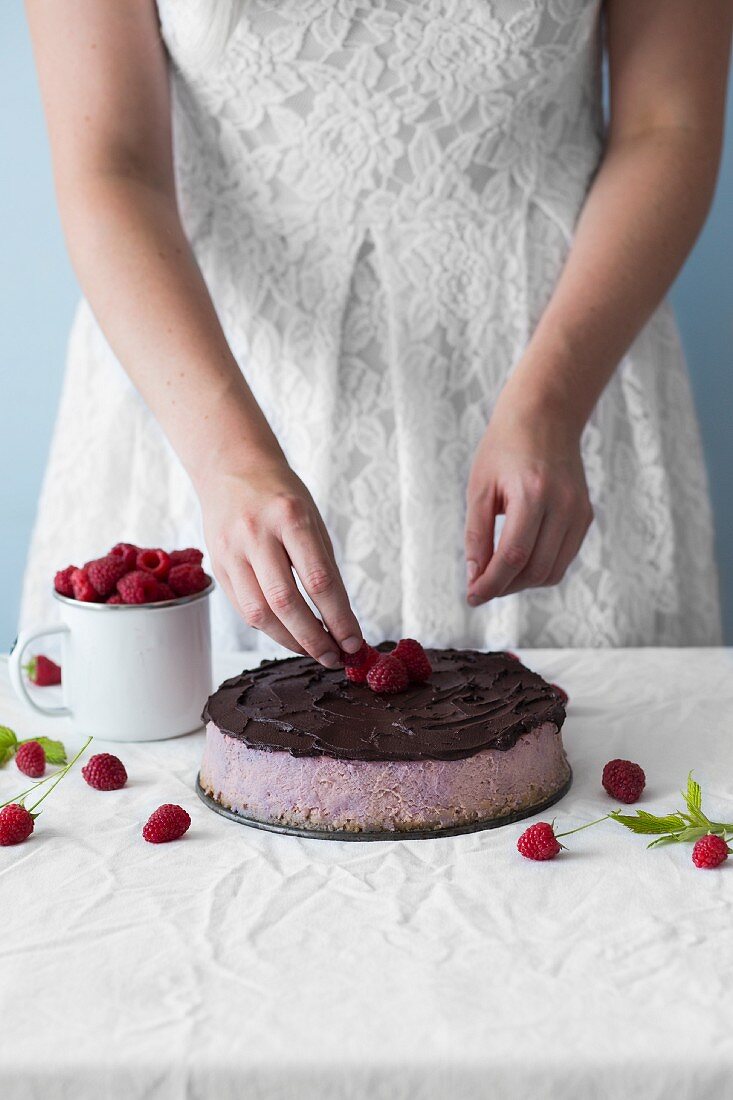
pixel 643 822
pixel 697 817
pixel 54 750
pixel 693 833
pixel 663 840
pixel 8 744
pixel 693 798
pixel 677 827
pixel 693 795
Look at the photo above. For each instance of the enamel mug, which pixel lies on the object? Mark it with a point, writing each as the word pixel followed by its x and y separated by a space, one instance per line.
pixel 130 672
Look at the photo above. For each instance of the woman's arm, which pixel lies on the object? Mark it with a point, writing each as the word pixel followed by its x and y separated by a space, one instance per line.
pixel 104 83
pixel 668 64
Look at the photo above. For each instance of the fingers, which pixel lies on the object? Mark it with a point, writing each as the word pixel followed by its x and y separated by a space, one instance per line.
pixel 325 536
pixel 571 545
pixel 561 534
pixel 524 514
pixel 280 530
pixel 538 569
pixel 274 573
pixel 313 561
pixel 569 518
pixel 240 585
pixel 479 533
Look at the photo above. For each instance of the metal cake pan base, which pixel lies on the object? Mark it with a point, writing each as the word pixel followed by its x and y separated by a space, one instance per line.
pixel 385 834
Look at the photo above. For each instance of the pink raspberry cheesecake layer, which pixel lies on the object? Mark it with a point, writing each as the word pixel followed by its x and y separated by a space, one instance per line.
pixel 291 743
pixel 322 792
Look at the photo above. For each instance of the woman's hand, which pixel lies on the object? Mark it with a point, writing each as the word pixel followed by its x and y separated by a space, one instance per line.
pixel 260 524
pixel 527 466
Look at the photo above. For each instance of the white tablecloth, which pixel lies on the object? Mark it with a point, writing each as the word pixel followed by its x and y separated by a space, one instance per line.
pixel 242 964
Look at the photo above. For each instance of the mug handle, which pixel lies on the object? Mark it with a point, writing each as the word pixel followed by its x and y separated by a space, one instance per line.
pixel 16 673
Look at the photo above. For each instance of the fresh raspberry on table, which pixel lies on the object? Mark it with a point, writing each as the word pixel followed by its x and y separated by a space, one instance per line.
pixel 189 556
pixel 388 675
pixel 31 759
pixel 414 658
pixel 539 842
pixel 104 574
pixel 42 671
pixel 138 587
pixel 561 693
pixel 165 592
pixel 156 562
pixel 168 822
pixel 62 581
pixel 187 579
pixel 357 665
pixel 115 598
pixel 105 772
pixel 710 851
pixel 16 824
pixel 83 588
pixel 127 552
pixel 623 780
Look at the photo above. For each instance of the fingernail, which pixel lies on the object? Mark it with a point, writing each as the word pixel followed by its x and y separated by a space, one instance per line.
pixel 330 660
pixel 351 645
pixel 471 570
pixel 473 600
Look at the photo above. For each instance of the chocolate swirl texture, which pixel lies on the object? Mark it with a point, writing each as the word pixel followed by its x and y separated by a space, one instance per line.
pixel 473 701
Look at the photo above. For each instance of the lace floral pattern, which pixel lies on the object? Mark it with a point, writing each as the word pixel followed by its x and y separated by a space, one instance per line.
pixel 381 196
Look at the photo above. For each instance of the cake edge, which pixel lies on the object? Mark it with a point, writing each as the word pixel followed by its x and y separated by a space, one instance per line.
pixel 398 797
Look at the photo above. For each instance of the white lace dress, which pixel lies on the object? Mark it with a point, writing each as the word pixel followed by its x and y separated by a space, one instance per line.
pixel 380 194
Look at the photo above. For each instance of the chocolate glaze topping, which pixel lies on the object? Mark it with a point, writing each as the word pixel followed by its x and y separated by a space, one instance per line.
pixel 472 701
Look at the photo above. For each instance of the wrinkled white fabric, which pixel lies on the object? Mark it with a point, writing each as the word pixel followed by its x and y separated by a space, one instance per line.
pixel 240 963
pixel 381 197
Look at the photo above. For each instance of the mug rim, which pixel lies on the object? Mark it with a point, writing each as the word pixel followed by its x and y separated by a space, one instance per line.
pixel 160 605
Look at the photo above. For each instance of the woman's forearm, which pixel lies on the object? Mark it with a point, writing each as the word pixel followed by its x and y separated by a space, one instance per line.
pixel 104 78
pixel 667 65
pixel 260 521
pixel 141 279
pixel 641 217
pixel 642 214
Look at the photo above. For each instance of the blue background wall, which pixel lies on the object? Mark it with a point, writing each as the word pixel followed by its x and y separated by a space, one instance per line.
pixel 38 293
